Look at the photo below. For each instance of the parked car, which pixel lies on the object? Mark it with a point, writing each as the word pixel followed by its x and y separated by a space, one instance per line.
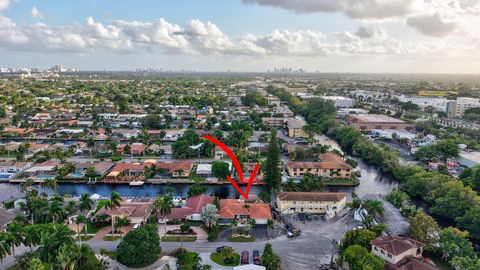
pixel 136 226
pixel 244 258
pixel 293 233
pixel 256 257
pixel 219 249
pixel 308 217
pixel 301 216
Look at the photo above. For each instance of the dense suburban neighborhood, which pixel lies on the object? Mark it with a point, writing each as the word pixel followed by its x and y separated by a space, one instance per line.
pixel 112 171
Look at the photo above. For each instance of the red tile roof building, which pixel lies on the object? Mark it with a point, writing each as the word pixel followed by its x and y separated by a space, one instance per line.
pixel 237 209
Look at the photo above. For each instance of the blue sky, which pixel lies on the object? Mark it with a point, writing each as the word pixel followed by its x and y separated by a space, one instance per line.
pixel 242 35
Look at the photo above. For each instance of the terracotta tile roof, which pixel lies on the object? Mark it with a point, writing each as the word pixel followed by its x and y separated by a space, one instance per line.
pixel 172 167
pixel 18 130
pixel 395 244
pixel 128 166
pixel 327 161
pixel 312 196
pixel 100 167
pixel 412 263
pixel 229 208
pixel 129 209
pixel 194 206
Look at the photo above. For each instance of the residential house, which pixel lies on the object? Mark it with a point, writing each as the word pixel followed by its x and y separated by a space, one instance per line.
pixel 41 171
pixel 243 212
pixel 100 168
pixel 174 169
pixel 128 172
pixel 218 153
pixel 191 211
pixel 136 211
pixel 10 169
pixel 401 253
pixel 329 203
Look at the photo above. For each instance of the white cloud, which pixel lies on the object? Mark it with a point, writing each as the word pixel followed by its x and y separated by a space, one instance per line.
pixel 4 4
pixel 433 25
pixel 36 13
pixel 353 8
pixel 204 38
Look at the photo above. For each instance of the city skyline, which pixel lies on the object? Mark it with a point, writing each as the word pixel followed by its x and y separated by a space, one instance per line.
pixel 414 36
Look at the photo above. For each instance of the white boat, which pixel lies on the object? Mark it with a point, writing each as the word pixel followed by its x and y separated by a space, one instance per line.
pixel 136 183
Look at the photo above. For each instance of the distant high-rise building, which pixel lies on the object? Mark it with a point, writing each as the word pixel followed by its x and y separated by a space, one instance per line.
pixel 457 108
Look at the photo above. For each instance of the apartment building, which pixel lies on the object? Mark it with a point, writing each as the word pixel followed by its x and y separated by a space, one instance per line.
pixel 457 108
pixel 311 202
pixel 330 165
pixel 295 128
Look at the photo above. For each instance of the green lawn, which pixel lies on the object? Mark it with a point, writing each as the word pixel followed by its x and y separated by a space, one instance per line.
pixel 111 238
pixel 100 205
pixel 192 223
pixel 215 257
pixel 241 239
pixel 175 238
pixel 342 182
pixel 91 229
pixel 84 238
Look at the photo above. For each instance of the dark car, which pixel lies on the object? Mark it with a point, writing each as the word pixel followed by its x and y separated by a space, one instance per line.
pixel 308 217
pixel 256 257
pixel 219 249
pixel 301 216
pixel 244 258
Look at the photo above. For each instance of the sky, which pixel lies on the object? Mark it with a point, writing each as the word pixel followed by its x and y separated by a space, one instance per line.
pixel 392 36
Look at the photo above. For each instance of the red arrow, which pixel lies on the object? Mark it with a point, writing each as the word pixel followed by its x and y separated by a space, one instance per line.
pixel 237 167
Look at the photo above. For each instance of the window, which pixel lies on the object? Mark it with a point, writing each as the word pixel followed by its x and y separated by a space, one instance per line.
pixel 389 255
pixel 375 248
pixel 383 252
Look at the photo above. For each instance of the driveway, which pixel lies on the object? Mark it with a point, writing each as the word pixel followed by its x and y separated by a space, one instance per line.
pixel 206 260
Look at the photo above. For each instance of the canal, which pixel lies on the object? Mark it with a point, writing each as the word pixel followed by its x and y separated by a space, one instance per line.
pixel 372 181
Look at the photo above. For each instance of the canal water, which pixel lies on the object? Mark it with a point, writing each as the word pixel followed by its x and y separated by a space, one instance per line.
pixel 372 181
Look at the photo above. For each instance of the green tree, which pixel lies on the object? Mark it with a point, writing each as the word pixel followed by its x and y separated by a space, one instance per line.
pixel 220 169
pixel 470 222
pixel 358 237
pixel 424 229
pixel 85 202
pixel 273 175
pixel 466 263
pixel 453 243
pixel 163 206
pixel 270 260
pixel 140 247
pixel 210 216
pixel 14 236
pixel 354 255
pixel 112 204
pixel 5 248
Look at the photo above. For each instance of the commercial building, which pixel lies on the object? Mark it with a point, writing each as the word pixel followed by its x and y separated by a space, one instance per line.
pixel 329 203
pixel 458 107
pixel 368 122
pixel 440 104
pixel 340 102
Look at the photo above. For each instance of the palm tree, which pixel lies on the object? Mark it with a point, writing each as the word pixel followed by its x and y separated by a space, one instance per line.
pixel 13 236
pixel 122 222
pixel 4 248
pixel 84 220
pixel 56 210
pixel 85 202
pixel 53 240
pixel 163 205
pixel 51 183
pixel 112 204
pixel 31 236
pixel 227 254
pixel 196 259
pixel 374 207
pixel 290 185
pixel 68 256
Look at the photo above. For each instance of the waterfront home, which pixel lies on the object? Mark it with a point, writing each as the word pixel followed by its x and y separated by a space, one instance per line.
pixel 36 147
pixel 243 212
pixel 124 133
pixel 174 169
pixel 10 169
pixel 330 165
pixel 18 131
pixel 44 170
pixel 401 253
pixel 204 170
pixel 191 211
pixel 128 172
pixel 99 168
pixel 136 211
pixel 324 203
